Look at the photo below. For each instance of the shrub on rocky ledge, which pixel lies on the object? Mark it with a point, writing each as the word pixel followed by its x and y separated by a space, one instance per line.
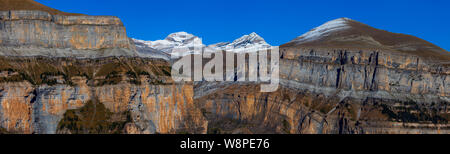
pixel 93 118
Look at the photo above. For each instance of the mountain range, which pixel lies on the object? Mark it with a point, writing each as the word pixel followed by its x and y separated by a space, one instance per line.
pixel 338 33
pixel 186 40
pixel 343 77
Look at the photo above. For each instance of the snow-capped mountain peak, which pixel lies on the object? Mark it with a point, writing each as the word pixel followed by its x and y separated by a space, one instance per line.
pixel 180 44
pixel 252 40
pixel 183 38
pixel 324 30
pixel 179 40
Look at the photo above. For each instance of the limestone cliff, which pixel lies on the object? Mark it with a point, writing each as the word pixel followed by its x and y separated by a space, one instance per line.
pixel 62 73
pixel 342 77
pixel 336 91
pixel 153 108
pixel 43 32
pixel 35 101
pixel 53 64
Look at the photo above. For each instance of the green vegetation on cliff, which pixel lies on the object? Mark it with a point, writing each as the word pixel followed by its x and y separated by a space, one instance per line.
pixel 3 131
pixel 98 72
pixel 93 118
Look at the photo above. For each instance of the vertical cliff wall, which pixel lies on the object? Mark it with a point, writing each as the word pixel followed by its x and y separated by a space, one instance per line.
pixel 53 63
pixel 336 91
pixel 359 73
pixel 38 33
pixel 153 108
pixel 58 69
pixel 37 93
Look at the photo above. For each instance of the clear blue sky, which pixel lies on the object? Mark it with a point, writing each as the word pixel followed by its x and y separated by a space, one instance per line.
pixel 278 21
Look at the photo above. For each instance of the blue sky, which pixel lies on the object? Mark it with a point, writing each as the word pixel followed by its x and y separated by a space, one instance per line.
pixel 278 21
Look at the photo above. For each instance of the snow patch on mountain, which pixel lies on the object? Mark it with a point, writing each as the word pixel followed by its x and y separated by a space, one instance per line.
pixel 243 44
pixel 144 50
pixel 324 30
pixel 181 43
pixel 219 45
pixel 179 39
pixel 176 44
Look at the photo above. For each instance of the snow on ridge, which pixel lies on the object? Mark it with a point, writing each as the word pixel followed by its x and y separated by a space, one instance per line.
pixel 175 44
pixel 144 50
pixel 247 40
pixel 181 43
pixel 174 40
pixel 323 30
pixel 252 40
pixel 140 42
pixel 220 44
pixel 180 37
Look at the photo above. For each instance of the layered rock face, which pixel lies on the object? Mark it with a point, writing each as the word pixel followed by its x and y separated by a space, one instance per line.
pixel 153 108
pixel 58 69
pixel 54 63
pixel 37 33
pixel 326 91
pixel 341 78
pixel 380 74
pixel 36 104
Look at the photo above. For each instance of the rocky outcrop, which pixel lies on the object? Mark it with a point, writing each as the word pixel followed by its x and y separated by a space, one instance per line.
pixel 27 33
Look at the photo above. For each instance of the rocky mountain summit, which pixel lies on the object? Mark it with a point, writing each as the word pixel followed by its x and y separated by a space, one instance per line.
pixel 346 33
pixel 181 41
pixel 8 5
pixel 252 40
